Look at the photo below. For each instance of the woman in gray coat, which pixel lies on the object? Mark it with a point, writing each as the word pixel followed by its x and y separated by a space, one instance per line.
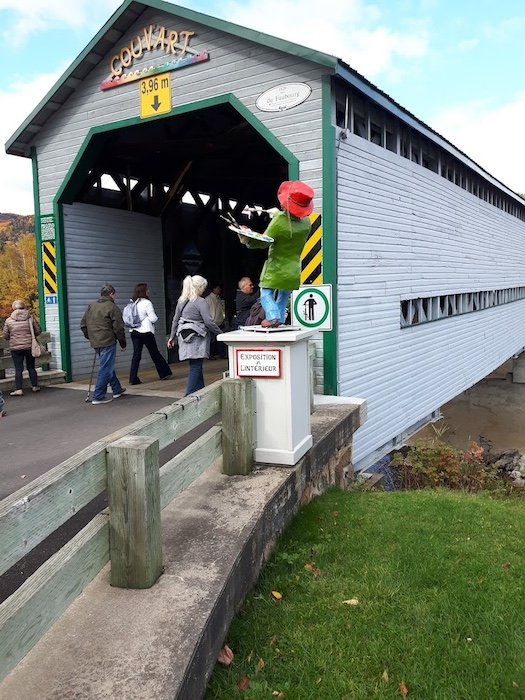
pixel 192 328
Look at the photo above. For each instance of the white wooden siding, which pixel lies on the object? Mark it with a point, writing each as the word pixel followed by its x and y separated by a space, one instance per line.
pixel 404 231
pixel 119 247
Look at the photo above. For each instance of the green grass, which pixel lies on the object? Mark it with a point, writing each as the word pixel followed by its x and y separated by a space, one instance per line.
pixel 440 579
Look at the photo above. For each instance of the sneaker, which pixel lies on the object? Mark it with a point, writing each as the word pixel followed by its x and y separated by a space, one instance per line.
pixel 117 396
pixel 35 389
pixel 95 402
pixel 17 392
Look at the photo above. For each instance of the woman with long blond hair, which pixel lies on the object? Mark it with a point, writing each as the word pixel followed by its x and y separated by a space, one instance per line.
pixel 192 330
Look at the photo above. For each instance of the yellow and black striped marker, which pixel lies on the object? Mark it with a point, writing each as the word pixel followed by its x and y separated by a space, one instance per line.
pixel 312 255
pixel 50 267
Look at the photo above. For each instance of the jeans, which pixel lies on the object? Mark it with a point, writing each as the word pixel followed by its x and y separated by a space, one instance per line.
pixel 18 361
pixel 106 373
pixel 274 308
pixel 195 377
pixel 139 341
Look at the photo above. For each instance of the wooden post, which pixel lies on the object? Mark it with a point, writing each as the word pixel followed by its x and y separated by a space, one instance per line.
pixel 134 512
pixel 238 426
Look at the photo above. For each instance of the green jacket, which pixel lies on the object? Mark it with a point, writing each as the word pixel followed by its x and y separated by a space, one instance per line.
pixel 282 269
pixel 102 324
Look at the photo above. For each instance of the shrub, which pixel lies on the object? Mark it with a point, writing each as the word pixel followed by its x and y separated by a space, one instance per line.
pixel 434 463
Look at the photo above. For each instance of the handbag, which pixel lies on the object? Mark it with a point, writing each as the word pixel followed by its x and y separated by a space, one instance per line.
pixel 36 348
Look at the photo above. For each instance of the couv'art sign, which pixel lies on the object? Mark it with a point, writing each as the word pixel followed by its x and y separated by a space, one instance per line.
pixel 153 38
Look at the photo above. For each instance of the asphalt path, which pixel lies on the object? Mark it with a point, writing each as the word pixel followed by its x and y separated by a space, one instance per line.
pixel 43 429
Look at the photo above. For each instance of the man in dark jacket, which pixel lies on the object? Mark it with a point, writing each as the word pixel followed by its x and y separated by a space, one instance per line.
pixel 102 325
pixel 244 301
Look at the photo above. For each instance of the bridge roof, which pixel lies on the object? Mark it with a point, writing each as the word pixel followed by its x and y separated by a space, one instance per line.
pixel 131 10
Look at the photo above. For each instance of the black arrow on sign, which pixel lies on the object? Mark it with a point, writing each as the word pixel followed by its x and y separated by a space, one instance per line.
pixel 156 103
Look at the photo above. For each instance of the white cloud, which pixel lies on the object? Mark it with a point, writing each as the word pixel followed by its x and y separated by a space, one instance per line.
pixel 351 30
pixel 16 103
pixel 27 17
pixel 493 136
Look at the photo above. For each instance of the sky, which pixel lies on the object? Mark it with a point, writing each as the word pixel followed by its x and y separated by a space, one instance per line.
pixel 457 65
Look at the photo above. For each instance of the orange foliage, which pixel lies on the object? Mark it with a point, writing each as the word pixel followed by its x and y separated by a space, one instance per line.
pixel 18 274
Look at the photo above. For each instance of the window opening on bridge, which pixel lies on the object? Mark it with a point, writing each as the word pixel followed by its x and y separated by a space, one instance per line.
pixel 355 113
pixel 426 309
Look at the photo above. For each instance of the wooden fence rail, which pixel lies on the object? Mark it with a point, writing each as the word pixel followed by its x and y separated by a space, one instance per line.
pixel 6 361
pixel 33 512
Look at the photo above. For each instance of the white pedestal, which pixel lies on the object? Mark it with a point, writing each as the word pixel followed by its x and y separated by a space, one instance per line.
pixel 278 363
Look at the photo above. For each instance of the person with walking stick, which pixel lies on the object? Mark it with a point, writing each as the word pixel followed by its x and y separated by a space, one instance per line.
pixel 103 326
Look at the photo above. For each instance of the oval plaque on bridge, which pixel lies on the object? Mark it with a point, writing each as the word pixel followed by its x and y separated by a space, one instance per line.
pixel 283 97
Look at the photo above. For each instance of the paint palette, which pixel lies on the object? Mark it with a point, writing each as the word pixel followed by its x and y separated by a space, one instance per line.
pixel 245 231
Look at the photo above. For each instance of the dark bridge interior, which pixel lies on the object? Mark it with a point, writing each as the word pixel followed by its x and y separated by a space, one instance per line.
pixel 188 169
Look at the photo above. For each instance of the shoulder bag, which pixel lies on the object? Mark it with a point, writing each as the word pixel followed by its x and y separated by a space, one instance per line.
pixel 36 348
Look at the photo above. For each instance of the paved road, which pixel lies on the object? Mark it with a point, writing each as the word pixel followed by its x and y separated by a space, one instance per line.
pixel 41 430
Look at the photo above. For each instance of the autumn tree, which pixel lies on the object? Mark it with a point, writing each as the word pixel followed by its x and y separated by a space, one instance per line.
pixel 18 274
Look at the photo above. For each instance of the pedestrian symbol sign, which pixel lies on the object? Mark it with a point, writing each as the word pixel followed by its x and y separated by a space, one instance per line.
pixel 312 307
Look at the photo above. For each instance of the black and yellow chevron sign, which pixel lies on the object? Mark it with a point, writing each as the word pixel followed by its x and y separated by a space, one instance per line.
pixel 50 267
pixel 312 255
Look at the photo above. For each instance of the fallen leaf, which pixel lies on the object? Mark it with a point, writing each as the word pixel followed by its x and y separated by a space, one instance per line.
pixel 385 676
pixel 313 568
pixel 351 601
pixel 273 641
pixel 506 566
pixel 260 665
pixel 243 683
pixel 335 513
pixel 403 690
pixel 278 695
pixel 514 684
pixel 276 595
pixel 225 656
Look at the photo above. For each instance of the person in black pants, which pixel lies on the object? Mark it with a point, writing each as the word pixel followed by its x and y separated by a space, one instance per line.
pixel 144 335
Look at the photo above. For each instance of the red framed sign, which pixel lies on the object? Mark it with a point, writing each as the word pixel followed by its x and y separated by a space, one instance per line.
pixel 264 363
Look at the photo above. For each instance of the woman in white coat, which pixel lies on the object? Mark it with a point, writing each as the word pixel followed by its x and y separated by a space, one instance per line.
pixel 144 335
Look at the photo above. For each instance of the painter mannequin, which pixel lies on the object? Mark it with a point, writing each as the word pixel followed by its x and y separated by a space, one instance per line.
pixel 288 230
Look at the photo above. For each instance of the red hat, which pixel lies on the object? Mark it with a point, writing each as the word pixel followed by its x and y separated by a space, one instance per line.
pixel 296 197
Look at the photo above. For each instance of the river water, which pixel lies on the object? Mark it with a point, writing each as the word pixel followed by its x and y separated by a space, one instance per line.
pixel 492 410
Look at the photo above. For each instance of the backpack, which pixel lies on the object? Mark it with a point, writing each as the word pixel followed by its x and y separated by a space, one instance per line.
pixel 130 315
pixel 256 315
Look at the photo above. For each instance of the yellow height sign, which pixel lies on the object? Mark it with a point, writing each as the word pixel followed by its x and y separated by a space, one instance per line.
pixel 155 95
pixel 50 267
pixel 312 255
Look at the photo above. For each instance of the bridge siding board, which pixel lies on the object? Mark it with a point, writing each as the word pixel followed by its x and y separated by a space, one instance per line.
pixel 404 231
pixel 92 233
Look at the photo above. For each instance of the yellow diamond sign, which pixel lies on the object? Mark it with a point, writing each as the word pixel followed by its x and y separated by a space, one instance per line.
pixel 155 95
